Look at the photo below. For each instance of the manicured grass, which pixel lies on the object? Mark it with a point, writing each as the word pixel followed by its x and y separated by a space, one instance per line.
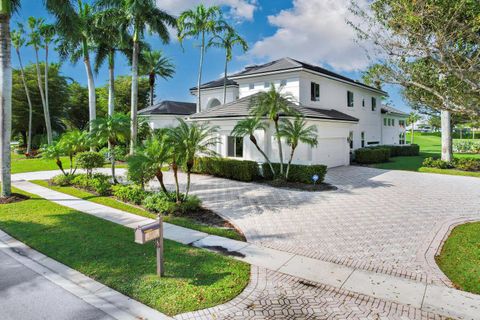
pixel 112 202
pixel 460 257
pixel 430 146
pixel 195 278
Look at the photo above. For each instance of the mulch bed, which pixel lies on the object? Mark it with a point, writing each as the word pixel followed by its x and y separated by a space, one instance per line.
pixel 299 186
pixel 15 197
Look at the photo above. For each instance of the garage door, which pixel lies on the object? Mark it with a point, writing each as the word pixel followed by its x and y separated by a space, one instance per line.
pixel 331 152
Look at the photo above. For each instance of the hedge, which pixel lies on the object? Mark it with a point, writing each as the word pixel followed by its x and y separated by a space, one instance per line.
pixel 464 164
pixel 372 155
pixel 241 170
pixel 297 173
pixel 401 150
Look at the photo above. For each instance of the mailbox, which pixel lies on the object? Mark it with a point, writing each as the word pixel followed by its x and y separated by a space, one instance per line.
pixel 148 232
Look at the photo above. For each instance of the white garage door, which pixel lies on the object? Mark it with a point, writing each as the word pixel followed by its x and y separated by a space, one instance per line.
pixel 331 152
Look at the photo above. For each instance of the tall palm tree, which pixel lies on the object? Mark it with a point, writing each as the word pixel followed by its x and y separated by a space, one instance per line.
pixel 296 132
pixel 247 127
pixel 112 130
pixel 7 8
pixel 47 32
pixel 36 42
pixel 75 42
pixel 191 140
pixel 272 104
pixel 18 42
pixel 413 117
pixel 140 15
pixel 227 39
pixel 199 23
pixel 155 64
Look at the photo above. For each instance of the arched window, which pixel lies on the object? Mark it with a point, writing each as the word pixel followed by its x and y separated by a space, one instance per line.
pixel 213 103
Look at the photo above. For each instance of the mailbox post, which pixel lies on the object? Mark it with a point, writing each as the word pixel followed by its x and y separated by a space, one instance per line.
pixel 153 231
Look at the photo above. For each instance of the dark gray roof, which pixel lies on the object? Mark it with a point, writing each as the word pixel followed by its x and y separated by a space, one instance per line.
pixel 289 63
pixel 170 107
pixel 241 108
pixel 215 84
pixel 388 109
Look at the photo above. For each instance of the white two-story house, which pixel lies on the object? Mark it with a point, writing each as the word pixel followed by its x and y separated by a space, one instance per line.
pixel 347 114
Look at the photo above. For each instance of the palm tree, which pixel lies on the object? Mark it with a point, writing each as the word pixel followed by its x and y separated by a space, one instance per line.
pixel 7 8
pixel 111 129
pixel 54 151
pixel 295 132
pixel 47 32
pixel 72 143
pixel 18 42
pixel 247 127
pixel 36 43
pixel 227 39
pixel 199 23
pixel 413 117
pixel 155 64
pixel 75 42
pixel 191 140
pixel 139 15
pixel 272 104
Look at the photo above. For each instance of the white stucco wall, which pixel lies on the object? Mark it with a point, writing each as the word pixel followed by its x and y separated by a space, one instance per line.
pixel 161 121
pixel 262 83
pixel 391 133
pixel 209 95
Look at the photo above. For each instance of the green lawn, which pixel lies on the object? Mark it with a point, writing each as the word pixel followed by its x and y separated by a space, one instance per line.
pixel 460 257
pixel 195 278
pixel 111 202
pixel 430 146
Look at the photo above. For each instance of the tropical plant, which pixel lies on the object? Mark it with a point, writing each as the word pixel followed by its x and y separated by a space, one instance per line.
pixel 89 161
pixel 55 151
pixel 36 42
pixel 200 22
pixel 155 64
pixel 191 140
pixel 47 32
pixel 247 127
pixel 18 42
pixel 413 117
pixel 111 130
pixel 73 142
pixel 296 132
pixel 272 104
pixel 139 15
pixel 227 38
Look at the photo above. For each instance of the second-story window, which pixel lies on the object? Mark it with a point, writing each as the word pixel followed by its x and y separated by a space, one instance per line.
pixel 350 99
pixel 266 84
pixel 314 91
pixel 251 86
pixel 374 103
pixel 283 83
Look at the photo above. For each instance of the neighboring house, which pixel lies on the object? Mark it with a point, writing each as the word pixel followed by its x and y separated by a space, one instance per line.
pixel 347 113
pixel 165 113
pixel 394 124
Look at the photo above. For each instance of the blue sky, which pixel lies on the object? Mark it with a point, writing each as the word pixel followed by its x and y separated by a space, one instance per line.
pixel 313 31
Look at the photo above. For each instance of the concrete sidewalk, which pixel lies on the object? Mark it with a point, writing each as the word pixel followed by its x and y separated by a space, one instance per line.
pixel 427 297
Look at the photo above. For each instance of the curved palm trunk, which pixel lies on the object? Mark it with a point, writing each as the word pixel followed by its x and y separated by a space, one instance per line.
pixel 92 110
pixel 152 86
pixel 134 98
pixel 46 113
pixel 111 83
pixel 177 187
pixel 447 152
pixel 279 140
pixel 6 99
pixel 225 80
pixel 47 106
pixel 159 175
pixel 30 108
pixel 60 165
pixel 189 174
pixel 200 70
pixel 254 141
pixel 290 162
pixel 111 150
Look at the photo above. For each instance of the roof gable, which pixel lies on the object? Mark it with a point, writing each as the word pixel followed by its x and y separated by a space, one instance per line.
pixel 168 107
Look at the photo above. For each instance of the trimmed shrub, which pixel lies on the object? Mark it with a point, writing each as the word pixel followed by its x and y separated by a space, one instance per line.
pixel 437 163
pixel 62 180
pixel 402 150
pixel 160 202
pixel 98 183
pixel 298 172
pixel 466 146
pixel 372 155
pixel 131 193
pixel 90 161
pixel 241 170
pixel 467 164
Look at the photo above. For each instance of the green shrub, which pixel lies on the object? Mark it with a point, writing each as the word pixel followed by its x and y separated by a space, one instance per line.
pixel 131 193
pixel 241 170
pixel 62 180
pixel 98 183
pixel 160 202
pixel 90 161
pixel 372 155
pixel 121 152
pixel 467 164
pixel 402 150
pixel 297 173
pixel 437 163
pixel 466 146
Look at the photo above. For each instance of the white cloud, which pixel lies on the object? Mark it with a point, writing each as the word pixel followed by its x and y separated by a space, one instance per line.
pixel 313 31
pixel 239 9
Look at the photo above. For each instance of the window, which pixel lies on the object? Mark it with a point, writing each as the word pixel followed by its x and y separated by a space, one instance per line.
pixel 314 91
pixel 251 86
pixel 401 138
pixel 401 123
pixel 385 122
pixel 266 85
pixel 393 122
pixel 350 139
pixel 363 138
pixel 363 102
pixel 283 83
pixel 350 99
pixel 374 103
pixel 235 147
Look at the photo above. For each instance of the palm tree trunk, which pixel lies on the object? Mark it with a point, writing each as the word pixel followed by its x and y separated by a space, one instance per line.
pixel 280 151
pixel 447 152
pixel 225 80
pixel 134 98
pixel 177 187
pixel 252 138
pixel 111 83
pixel 289 162
pixel 60 165
pixel 6 99
pixel 47 107
pixel 412 134
pixel 159 175
pixel 152 86
pixel 112 160
pixel 92 110
pixel 42 96
pixel 30 108
pixel 200 69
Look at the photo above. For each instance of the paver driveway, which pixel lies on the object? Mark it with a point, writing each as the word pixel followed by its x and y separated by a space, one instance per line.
pixel 377 220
